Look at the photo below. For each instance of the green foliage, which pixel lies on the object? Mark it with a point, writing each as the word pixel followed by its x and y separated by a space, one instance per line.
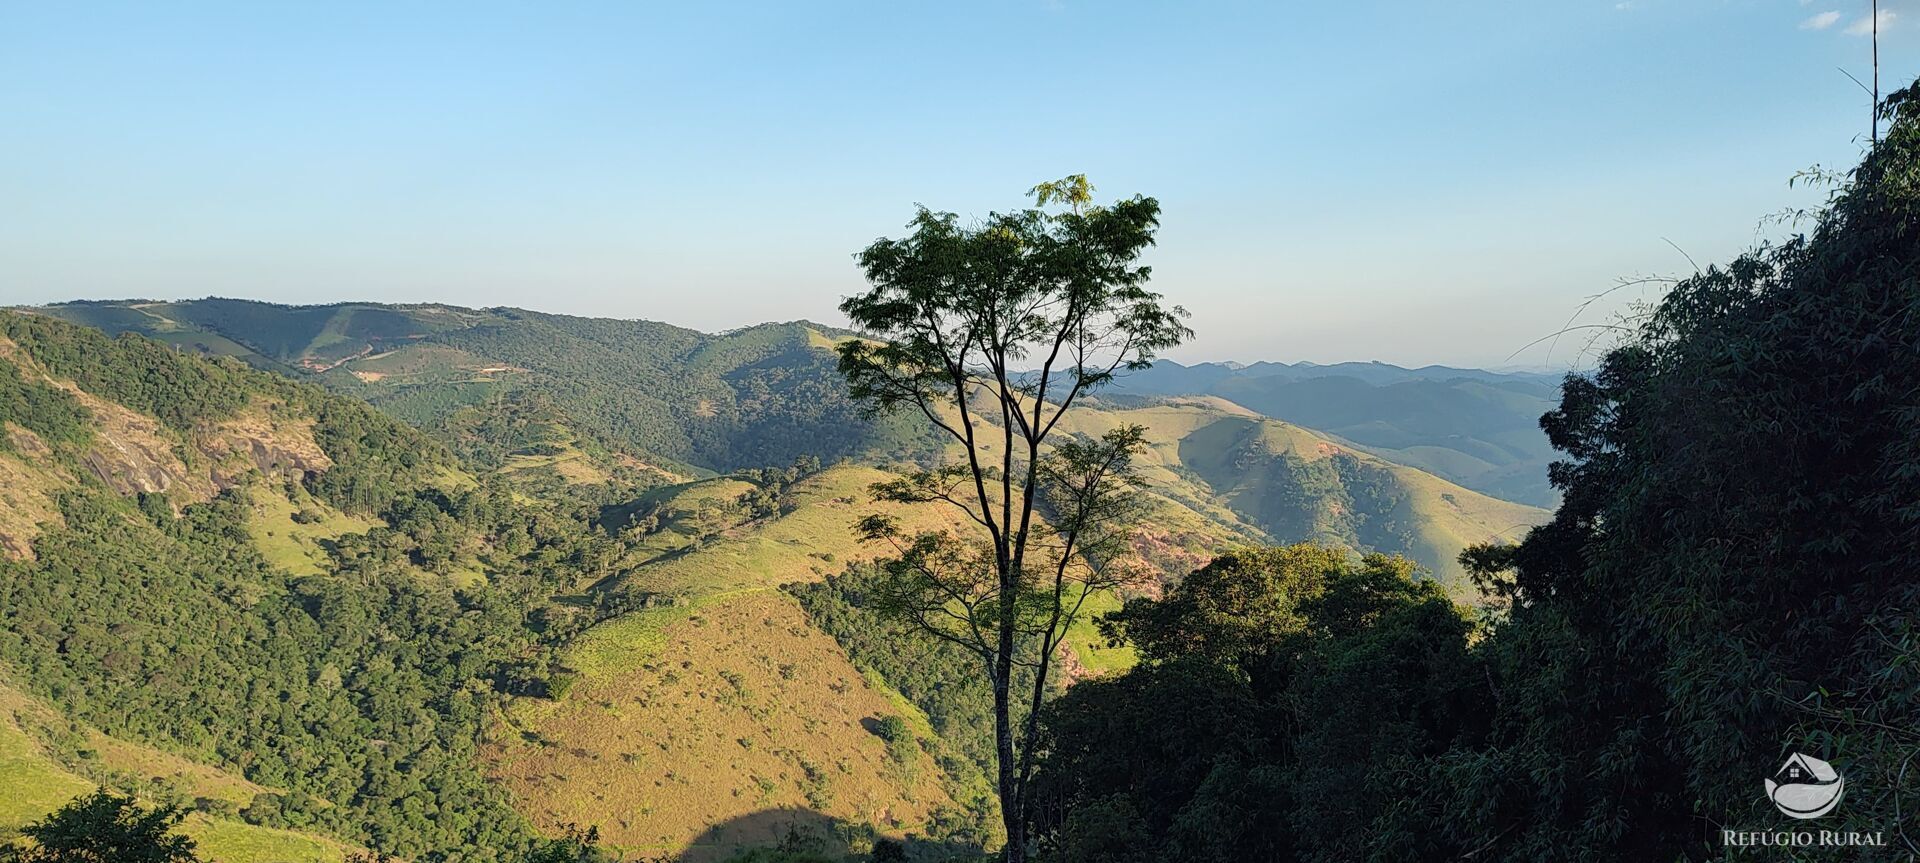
pixel 181 391
pixel 1232 611
pixel 47 411
pixel 745 399
pixel 374 456
pixel 354 690
pixel 772 487
pixel 1727 581
pixel 957 310
pixel 364 693
pixel 939 678
pixel 1283 692
pixel 575 845
pixel 104 827
pixel 759 396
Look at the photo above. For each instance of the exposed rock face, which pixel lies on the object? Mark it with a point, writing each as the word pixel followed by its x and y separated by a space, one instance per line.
pixel 257 440
pixel 132 453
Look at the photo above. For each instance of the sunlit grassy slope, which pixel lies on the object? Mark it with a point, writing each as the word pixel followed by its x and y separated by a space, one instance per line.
pixel 690 718
pixel 674 709
pixel 816 538
pixel 695 716
pixel 38 776
pixel 290 530
pixel 1299 485
pixel 686 719
pixel 1216 474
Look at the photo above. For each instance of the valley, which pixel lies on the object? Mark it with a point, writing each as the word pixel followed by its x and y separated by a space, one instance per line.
pixel 674 682
pixel 740 433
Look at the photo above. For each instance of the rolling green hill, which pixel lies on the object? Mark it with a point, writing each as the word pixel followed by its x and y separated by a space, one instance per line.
pixel 1477 428
pixel 552 607
pixel 672 397
pixel 47 758
pixel 322 631
pixel 228 573
pixel 1215 468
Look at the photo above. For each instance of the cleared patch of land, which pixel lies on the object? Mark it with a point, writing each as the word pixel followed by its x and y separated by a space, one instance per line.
pixel 291 532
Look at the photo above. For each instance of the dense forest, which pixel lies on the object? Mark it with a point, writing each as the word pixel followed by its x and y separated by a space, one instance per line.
pixel 362 692
pixel 1727 582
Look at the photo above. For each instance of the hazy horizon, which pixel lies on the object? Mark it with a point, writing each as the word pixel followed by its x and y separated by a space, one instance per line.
pixel 1516 365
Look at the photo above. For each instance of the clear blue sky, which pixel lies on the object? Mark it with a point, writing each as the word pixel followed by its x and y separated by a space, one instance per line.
pixel 1407 181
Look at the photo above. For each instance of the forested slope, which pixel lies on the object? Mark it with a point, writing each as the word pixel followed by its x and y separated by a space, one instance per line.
pixel 676 397
pixel 135 597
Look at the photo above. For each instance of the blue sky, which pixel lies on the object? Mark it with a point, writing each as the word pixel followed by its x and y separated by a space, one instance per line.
pixel 1414 182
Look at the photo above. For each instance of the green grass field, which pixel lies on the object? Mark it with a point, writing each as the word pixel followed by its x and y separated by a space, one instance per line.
pixel 291 545
pixel 221 840
pixel 35 784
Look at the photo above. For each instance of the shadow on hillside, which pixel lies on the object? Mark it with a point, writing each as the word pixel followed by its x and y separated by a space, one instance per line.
pixel 792 835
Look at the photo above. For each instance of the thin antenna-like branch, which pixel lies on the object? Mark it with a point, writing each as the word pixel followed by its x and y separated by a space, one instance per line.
pixel 1616 327
pixel 1863 87
pixel 1619 285
pixel 1683 253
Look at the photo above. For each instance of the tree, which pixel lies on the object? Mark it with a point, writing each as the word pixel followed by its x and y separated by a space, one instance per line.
pixel 993 332
pixel 104 827
pixel 1284 700
pixel 1730 578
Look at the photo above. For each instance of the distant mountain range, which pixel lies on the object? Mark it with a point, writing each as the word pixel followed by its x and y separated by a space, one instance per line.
pixel 588 398
pixel 688 401
pixel 1475 427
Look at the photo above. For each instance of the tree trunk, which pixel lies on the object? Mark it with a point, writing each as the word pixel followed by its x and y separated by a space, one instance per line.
pixel 1015 850
pixel 1011 815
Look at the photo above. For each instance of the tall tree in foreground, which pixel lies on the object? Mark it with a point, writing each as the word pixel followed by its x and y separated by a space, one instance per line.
pixel 993 332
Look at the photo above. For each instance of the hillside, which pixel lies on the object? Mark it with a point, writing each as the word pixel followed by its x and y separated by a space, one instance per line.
pixel 47 758
pixel 320 630
pixel 580 400
pixel 673 397
pixel 1237 470
pixel 1477 428
pixel 662 396
pixel 235 575
pixel 719 698
pixel 539 625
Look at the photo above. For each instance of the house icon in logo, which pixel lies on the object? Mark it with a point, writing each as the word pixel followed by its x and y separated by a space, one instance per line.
pixel 1805 787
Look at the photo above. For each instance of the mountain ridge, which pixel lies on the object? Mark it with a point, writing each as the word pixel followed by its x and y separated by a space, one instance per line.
pixel 1475 427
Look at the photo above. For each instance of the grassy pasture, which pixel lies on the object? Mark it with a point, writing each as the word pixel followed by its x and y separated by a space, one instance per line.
pixel 691 719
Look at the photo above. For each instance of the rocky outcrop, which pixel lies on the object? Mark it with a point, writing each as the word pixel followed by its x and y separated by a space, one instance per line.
pixel 132 453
